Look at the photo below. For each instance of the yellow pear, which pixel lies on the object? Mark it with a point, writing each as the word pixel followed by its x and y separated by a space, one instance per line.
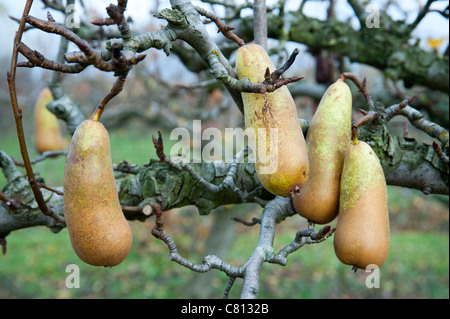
pixel 281 160
pixel 48 136
pixel 98 230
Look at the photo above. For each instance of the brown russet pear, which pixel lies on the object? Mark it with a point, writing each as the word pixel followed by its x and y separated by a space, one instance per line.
pixel 98 230
pixel 48 136
pixel 328 135
pixel 362 230
pixel 282 160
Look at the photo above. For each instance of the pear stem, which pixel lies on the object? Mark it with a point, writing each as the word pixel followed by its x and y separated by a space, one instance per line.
pixel 354 135
pixel 368 116
pixel 116 89
pixel 96 116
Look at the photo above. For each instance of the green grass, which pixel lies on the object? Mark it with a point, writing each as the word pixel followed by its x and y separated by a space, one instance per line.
pixel 36 261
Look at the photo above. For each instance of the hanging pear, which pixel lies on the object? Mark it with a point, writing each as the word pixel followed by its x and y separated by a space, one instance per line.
pixel 328 135
pixel 47 134
pixel 282 160
pixel 362 230
pixel 98 230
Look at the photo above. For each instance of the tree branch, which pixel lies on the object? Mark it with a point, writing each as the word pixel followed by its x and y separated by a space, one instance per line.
pixel 264 249
pixel 209 262
pixel 384 48
pixel 260 22
pixel 302 237
pixel 11 77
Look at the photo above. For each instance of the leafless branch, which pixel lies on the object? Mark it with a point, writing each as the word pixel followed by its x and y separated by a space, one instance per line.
pixel 227 183
pixel 440 153
pixel 209 262
pixel 362 86
pixel 11 76
pixel 226 30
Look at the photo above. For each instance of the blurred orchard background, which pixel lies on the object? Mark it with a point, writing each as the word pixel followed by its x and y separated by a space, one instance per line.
pixel 159 95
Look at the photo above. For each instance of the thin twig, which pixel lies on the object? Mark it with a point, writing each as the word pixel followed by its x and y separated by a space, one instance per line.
pixel 125 167
pixel 414 116
pixel 421 15
pixel 246 223
pixel 227 183
pixel 56 5
pixel 272 81
pixel 228 287
pixel 396 109
pixel 28 27
pixel 278 73
pixel 223 28
pixel 443 13
pixel 36 59
pixel 440 153
pixel 209 262
pixel 11 203
pixel 362 86
pixel 302 237
pixel 417 119
pixel 42 185
pixel 3 243
pixel 11 77
pixel 56 78
pixel 116 13
pixel 92 56
pixel 41 157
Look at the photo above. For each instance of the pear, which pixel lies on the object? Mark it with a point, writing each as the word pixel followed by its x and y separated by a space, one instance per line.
pixel 328 135
pixel 362 230
pixel 48 136
pixel 99 233
pixel 282 160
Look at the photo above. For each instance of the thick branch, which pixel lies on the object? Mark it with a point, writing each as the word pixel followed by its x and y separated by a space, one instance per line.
pixel 406 162
pixel 260 25
pixel 384 48
pixel 147 186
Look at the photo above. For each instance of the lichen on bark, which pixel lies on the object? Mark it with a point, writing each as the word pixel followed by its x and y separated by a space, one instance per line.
pixel 172 188
pixel 407 162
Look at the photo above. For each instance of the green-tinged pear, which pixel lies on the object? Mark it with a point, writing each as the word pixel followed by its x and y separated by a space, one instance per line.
pixel 362 230
pixel 328 135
